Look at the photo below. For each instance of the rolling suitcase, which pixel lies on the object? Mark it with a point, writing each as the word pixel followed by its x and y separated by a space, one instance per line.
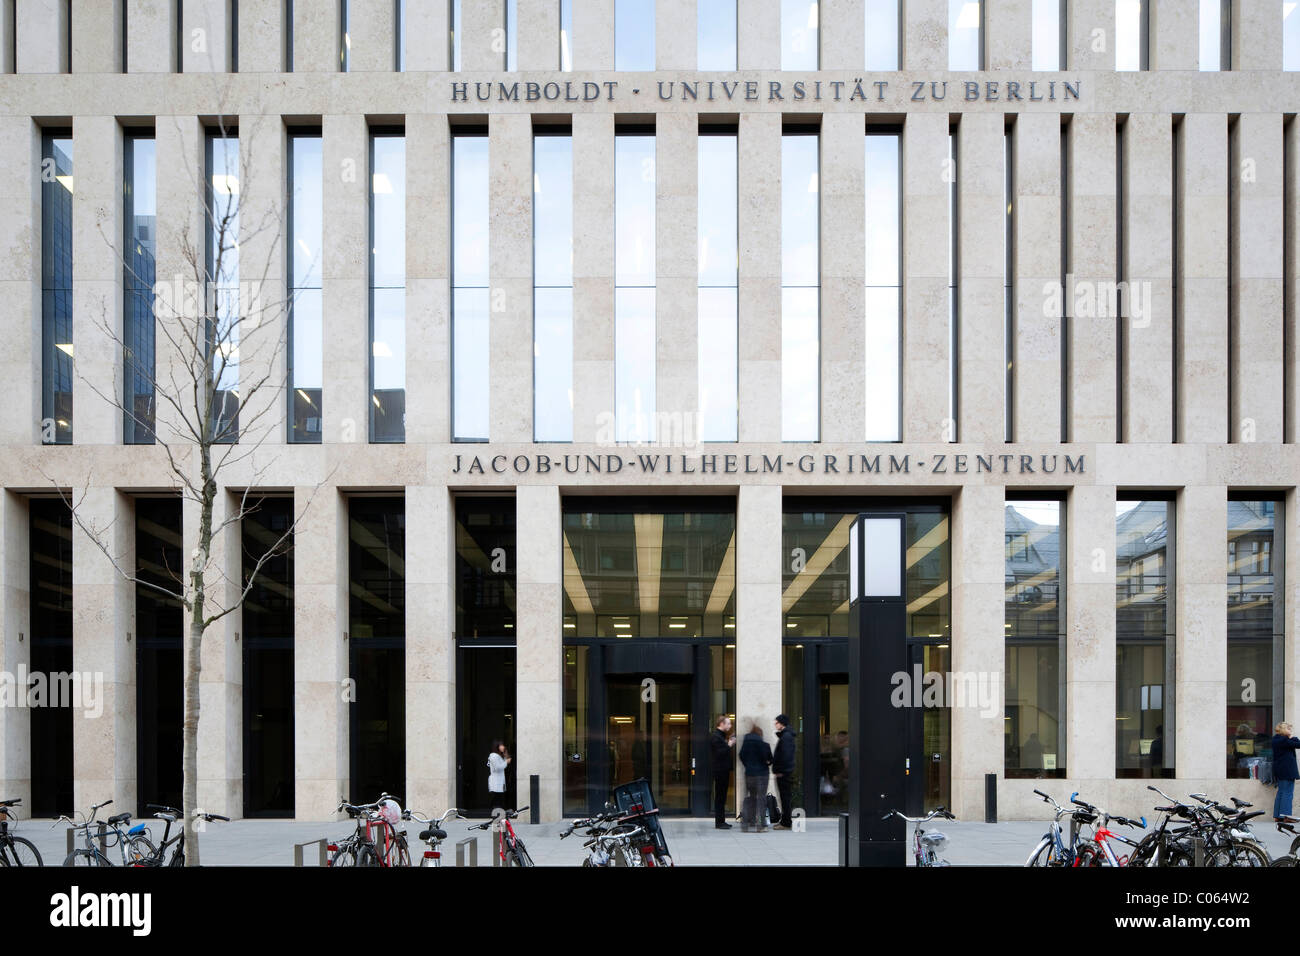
pixel 772 810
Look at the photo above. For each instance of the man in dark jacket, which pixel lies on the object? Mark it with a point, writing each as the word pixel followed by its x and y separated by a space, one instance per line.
pixel 756 757
pixel 720 743
pixel 783 768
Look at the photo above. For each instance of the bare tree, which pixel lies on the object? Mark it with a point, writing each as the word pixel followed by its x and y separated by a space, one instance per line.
pixel 220 338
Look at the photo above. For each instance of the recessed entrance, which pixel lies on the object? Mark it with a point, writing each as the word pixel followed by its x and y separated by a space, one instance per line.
pixel 648 734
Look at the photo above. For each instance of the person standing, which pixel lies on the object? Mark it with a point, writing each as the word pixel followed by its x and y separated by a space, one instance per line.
pixel 783 769
pixel 497 762
pixel 1284 768
pixel 720 743
pixel 756 757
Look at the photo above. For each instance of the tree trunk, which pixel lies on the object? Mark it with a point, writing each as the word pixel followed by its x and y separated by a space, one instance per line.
pixel 189 798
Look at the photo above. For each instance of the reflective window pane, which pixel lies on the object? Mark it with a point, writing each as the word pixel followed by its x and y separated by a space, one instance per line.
pixel 717 210
pixel 56 290
pixel 138 319
pixel 800 293
pixel 552 211
pixel 1290 35
pixel 634 35
pixel 634 294
pixel 388 288
pixel 306 332
pixel 717 314
pixel 454 35
pixel 1213 15
pixel 1034 734
pixel 566 35
pixel 634 210
pixel 800 358
pixel 634 369
pixel 1130 33
pixel 883 299
pixel 882 29
pixel 512 35
pixel 553 288
pixel 223 281
pixel 553 364
pixel 1046 41
pixel 718 383
pixel 1255 634
pixel 716 35
pixel 469 400
pixel 799 35
pixel 470 295
pixel 965 34
pixel 485 569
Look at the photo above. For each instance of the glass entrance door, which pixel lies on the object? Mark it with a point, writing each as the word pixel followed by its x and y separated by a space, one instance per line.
pixel 929 754
pixel 648 734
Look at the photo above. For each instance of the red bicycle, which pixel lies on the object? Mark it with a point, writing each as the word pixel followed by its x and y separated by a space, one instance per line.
pixel 510 848
pixel 376 840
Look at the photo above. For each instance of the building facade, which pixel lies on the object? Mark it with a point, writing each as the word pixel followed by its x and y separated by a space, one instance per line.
pixel 585 328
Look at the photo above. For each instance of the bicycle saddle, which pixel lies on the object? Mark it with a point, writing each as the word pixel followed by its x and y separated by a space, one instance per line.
pixel 434 833
pixel 119 818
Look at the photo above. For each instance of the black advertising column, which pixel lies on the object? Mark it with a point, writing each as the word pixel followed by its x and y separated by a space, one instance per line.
pixel 877 651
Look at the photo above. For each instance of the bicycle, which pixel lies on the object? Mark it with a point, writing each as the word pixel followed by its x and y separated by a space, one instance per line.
pixel 612 842
pixel 1287 825
pixel 1052 850
pixel 1165 846
pixel 133 845
pixel 360 848
pixel 15 850
pixel 926 846
pixel 510 848
pixel 1095 850
pixel 1231 840
pixel 170 815
pixel 433 834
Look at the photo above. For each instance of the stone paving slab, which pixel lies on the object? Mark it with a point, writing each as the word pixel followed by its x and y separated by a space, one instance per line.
pixel 693 842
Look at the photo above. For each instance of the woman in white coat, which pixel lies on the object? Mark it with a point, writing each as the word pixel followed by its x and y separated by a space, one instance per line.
pixel 497 762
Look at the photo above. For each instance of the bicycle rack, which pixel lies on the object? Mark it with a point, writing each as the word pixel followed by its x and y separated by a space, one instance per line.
pixel 101 833
pixel 298 849
pixel 472 843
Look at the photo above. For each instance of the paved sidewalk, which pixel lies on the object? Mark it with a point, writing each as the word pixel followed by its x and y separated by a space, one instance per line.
pixel 693 842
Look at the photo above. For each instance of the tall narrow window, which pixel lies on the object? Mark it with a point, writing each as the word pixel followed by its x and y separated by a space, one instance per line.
pixel 223 315
pixel 882 34
pixel 965 34
pixel 1216 34
pixel 718 211
pixel 1290 35
pixel 469 293
pixel 1034 729
pixel 1131 34
pixel 1144 639
pixel 399 55
pixel 387 287
pixel 56 289
pixel 159 667
pixel 345 37
pixel 1008 285
pixel 634 35
pixel 634 286
pixel 453 37
pixel 954 300
pixel 799 35
pixel 50 608
pixel 884 285
pixel 800 286
pixel 1048 36
pixel 566 35
pixel 512 35
pixel 139 216
pixel 716 35
pixel 553 286
pixel 306 332
pixel 1256 616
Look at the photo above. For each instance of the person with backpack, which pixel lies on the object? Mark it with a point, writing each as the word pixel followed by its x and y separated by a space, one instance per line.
pixel 756 758
pixel 783 770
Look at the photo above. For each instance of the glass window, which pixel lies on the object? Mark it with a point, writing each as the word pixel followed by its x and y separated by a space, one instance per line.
pixel 799 48
pixel 965 34
pixel 388 287
pixel 1290 35
pixel 306 334
pixel 159 624
pixel 1048 37
pixel 634 287
pixel 954 300
pixel 1255 634
pixel 566 35
pixel 56 289
pixel 652 573
pixel 800 287
pixel 1008 284
pixel 223 282
pixel 485 569
pixel 377 644
pixel 1130 34
pixel 512 35
pixel 1215 36
pixel 267 619
pixel 1034 735
pixel 454 39
pixel 882 32
pixel 716 35
pixel 718 212
pixel 469 303
pixel 345 46
pixel 50 608
pixel 883 300
pixel 140 214
pixel 1144 639
pixel 401 36
pixel 553 287
pixel 634 35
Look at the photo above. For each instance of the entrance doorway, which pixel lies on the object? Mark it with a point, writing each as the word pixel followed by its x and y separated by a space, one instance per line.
pixel 929 737
pixel 648 734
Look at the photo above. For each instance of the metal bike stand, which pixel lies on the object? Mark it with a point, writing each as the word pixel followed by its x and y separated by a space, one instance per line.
pixel 1198 851
pixel 298 849
pixel 72 839
pixel 472 843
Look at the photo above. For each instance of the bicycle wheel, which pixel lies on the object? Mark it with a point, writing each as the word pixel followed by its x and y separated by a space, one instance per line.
pixel 1284 861
pixel 140 851
pixel 81 858
pixel 345 855
pixel 21 852
pixel 399 854
pixel 1237 854
pixel 366 856
pixel 1089 856
pixel 1043 855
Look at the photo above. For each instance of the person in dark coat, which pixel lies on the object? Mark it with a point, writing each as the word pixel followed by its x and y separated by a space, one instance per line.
pixel 756 757
pixel 720 743
pixel 783 769
pixel 1284 768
